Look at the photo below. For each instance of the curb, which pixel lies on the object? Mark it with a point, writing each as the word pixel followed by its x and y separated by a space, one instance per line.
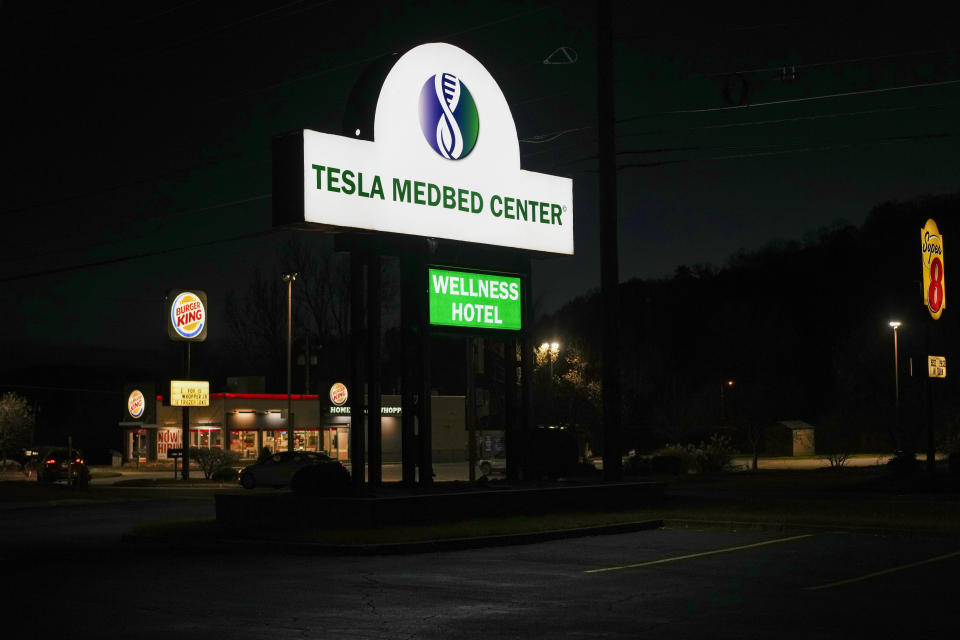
pixel 686 523
pixel 391 548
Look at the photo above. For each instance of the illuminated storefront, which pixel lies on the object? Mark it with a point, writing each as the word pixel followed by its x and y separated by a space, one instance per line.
pixel 249 422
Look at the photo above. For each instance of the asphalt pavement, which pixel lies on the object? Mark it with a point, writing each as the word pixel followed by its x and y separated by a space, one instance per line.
pixel 70 571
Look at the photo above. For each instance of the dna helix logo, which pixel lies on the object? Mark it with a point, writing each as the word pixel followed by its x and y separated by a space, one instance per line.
pixel 448 116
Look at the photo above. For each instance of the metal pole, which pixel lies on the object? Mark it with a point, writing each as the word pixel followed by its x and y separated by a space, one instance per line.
pixel 609 264
pixel 509 408
pixel 289 278
pixel 896 384
pixel 185 429
pixel 471 413
pixel 357 446
pixel 408 304
pixel 374 417
pixel 931 449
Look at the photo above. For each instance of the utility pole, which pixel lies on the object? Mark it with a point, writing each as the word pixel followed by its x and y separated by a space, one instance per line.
pixel 609 263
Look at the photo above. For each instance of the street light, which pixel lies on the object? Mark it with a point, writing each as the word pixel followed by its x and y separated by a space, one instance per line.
pixel 289 278
pixel 552 349
pixel 723 385
pixel 895 324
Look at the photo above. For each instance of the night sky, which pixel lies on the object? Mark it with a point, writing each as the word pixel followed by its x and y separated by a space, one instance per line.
pixel 137 139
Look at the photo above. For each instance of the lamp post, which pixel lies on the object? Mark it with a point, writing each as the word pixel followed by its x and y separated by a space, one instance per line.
pixel 895 324
pixel 289 278
pixel 723 385
pixel 552 349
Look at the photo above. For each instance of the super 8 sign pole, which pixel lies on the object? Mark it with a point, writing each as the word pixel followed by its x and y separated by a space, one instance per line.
pixel 934 298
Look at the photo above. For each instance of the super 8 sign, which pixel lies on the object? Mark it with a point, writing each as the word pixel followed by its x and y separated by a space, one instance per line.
pixel 186 315
pixel 934 296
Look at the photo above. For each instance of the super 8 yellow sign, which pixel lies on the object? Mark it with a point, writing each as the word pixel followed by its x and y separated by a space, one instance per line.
pixel 934 297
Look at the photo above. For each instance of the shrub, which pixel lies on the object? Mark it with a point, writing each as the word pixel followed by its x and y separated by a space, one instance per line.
pixel 903 465
pixel 836 460
pixel 669 465
pixel 212 459
pixel 712 456
pixel 953 463
pixel 637 466
pixel 224 474
pixel 330 479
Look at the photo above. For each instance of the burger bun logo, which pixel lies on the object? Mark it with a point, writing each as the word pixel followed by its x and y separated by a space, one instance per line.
pixel 188 316
pixel 136 404
pixel 338 394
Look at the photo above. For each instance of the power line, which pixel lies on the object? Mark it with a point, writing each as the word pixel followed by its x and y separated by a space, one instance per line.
pixel 135 256
pixel 827 63
pixel 829 96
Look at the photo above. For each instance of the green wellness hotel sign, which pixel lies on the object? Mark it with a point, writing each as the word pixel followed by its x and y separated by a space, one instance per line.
pixel 476 300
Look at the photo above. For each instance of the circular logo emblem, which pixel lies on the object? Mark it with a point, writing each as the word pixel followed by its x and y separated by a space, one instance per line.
pixel 448 116
pixel 338 393
pixel 188 315
pixel 136 404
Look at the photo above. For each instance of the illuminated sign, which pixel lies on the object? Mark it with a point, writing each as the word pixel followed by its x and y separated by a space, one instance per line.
pixel 136 404
pixel 937 366
pixel 931 247
pixel 187 316
pixel 444 163
pixel 479 300
pixel 338 393
pixel 384 411
pixel 189 393
pixel 140 402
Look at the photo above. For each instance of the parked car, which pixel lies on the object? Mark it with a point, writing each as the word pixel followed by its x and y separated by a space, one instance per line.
pixel 303 471
pixel 53 464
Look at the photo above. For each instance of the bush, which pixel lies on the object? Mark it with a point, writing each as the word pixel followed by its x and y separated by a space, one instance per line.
pixel 712 456
pixel 637 466
pixel 212 459
pixel 329 479
pixel 224 474
pixel 673 465
pixel 902 465
pixel 553 453
pixel 953 463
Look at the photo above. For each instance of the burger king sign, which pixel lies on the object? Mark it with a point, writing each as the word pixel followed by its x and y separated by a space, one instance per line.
pixel 187 316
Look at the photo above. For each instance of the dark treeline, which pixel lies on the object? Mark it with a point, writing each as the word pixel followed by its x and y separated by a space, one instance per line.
pixel 800 328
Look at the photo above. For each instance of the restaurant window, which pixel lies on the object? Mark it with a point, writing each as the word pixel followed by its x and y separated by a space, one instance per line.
pixel 206 438
pixel 276 440
pixel 244 443
pixel 307 440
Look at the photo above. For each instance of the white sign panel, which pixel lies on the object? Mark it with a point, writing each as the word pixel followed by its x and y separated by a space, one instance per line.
pixel 444 163
pixel 937 366
pixel 189 393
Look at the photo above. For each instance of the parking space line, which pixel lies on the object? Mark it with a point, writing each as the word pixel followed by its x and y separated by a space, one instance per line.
pixel 699 554
pixel 883 572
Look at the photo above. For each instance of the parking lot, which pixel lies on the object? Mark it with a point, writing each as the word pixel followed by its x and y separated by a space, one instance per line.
pixel 661 583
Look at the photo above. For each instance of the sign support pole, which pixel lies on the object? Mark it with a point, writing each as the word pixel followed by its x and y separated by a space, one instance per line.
pixel 931 449
pixel 510 408
pixel 424 409
pixel 185 429
pixel 471 410
pixel 374 424
pixel 358 449
pixel 408 339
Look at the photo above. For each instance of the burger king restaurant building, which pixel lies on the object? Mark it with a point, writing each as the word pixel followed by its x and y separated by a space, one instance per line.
pixel 248 422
